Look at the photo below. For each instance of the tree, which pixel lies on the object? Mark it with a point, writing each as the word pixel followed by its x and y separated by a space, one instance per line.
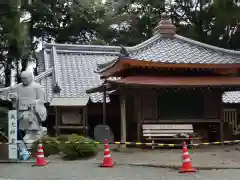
pixel 14 39
pixel 132 21
pixel 65 21
pixel 62 21
pixel 213 22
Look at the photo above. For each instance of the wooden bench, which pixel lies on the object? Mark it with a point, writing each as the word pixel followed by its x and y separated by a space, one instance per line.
pixel 153 132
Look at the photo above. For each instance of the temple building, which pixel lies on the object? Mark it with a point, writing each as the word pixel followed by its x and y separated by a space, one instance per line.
pixel 166 79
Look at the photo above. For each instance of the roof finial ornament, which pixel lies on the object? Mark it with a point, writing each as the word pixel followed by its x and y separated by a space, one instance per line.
pixel 165 27
pixel 123 53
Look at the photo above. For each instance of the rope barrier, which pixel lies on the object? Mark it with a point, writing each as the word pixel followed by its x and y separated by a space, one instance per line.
pixel 145 144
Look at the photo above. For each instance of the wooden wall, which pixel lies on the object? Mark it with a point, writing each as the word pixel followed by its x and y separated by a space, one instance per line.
pixel 212 105
pixel 143 107
pixel 151 105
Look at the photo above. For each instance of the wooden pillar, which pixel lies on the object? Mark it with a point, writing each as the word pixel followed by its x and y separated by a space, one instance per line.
pixel 138 114
pixel 104 105
pixel 123 120
pixel 57 121
pixel 86 120
pixel 221 124
pixel 221 121
pixel 139 130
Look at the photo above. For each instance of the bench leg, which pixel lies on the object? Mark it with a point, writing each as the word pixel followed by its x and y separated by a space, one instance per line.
pixel 153 144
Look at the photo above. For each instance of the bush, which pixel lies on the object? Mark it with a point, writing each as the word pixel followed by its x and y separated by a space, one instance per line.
pixel 62 138
pixel 50 145
pixel 78 147
pixel 72 146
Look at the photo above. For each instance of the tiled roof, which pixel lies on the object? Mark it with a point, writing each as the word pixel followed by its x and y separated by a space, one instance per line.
pixel 74 66
pixel 76 73
pixel 178 50
pixel 184 50
pixel 231 97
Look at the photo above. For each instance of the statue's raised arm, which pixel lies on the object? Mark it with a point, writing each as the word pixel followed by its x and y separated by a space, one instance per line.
pixel 13 97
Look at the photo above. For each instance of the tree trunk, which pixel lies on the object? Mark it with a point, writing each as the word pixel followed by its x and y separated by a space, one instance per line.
pixel 8 72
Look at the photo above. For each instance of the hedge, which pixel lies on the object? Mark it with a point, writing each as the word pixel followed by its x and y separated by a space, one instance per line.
pixel 71 146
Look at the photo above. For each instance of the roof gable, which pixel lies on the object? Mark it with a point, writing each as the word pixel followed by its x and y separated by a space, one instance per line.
pixel 183 50
pixel 74 66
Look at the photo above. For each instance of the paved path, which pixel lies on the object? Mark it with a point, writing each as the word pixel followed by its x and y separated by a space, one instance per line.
pixel 77 170
pixel 228 156
pixel 208 157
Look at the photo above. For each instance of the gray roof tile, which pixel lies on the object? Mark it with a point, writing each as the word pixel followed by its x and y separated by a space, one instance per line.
pixel 179 51
pixel 74 65
pixel 76 73
pixel 231 97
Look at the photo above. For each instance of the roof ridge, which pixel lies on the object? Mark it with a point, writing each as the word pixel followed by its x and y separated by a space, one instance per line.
pixel 206 45
pixel 43 74
pixel 159 36
pixel 81 47
pixel 144 43
pixel 106 48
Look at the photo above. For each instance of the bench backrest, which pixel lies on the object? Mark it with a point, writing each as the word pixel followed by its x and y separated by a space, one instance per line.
pixel 166 130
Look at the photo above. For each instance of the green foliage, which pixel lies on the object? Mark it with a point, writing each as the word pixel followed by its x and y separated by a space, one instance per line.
pixel 212 22
pixel 78 147
pixel 66 20
pixel 14 40
pixel 71 146
pixel 50 145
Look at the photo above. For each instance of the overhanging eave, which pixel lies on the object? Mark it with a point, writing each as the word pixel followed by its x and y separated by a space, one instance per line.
pixel 100 88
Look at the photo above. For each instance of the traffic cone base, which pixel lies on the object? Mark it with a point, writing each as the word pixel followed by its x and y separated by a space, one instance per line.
pixel 187 164
pixel 40 160
pixel 107 165
pixel 187 170
pixel 107 161
pixel 41 163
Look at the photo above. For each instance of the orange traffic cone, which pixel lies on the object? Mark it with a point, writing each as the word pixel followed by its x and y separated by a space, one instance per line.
pixel 187 164
pixel 40 161
pixel 107 161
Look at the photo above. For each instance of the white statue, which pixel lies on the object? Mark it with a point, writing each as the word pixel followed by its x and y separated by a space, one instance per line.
pixel 29 102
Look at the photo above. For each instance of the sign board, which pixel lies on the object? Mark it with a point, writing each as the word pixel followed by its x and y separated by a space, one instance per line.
pixel 12 134
pixel 71 118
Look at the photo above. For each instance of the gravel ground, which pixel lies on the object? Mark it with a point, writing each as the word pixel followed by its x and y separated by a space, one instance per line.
pixel 87 171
